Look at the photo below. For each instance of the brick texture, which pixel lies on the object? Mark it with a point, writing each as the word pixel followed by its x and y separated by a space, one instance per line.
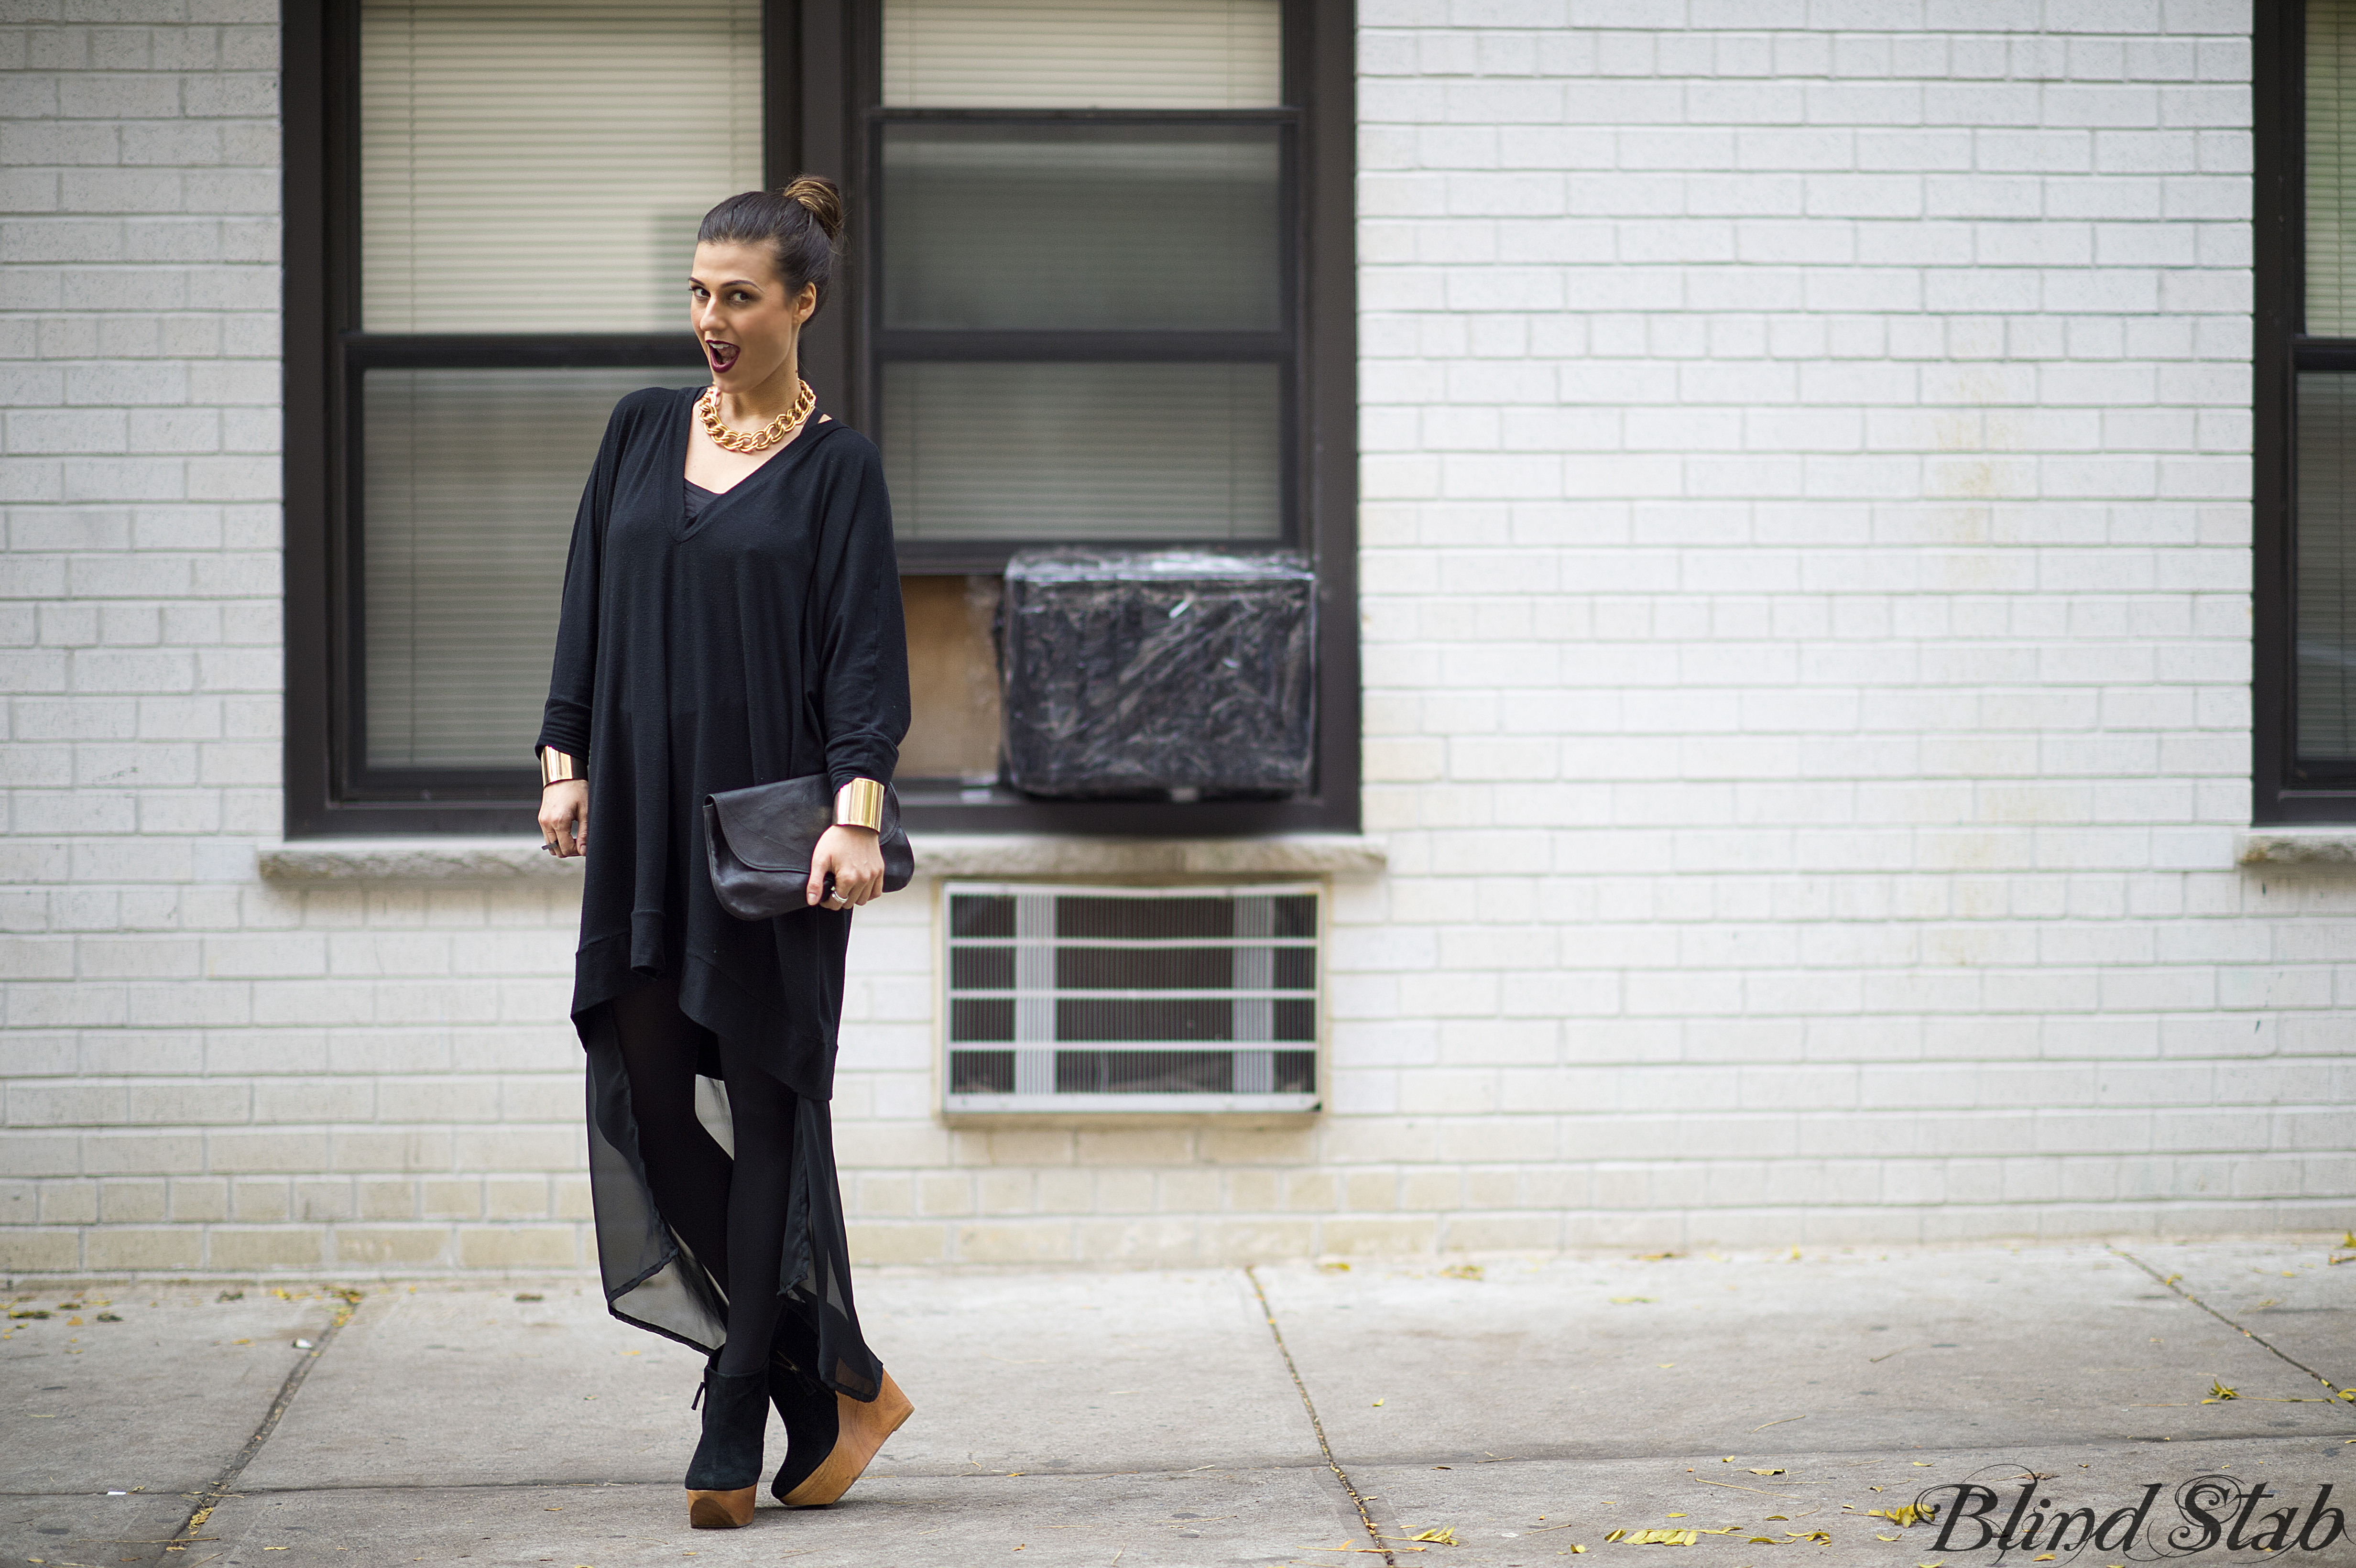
pixel 1806 614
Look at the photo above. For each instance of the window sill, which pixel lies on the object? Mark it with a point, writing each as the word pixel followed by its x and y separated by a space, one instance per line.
pixel 2296 847
pixel 418 859
pixel 1128 1118
pixel 456 860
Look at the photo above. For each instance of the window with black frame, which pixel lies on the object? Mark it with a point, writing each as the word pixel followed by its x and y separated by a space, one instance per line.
pixel 2306 405
pixel 1098 290
pixel 1081 326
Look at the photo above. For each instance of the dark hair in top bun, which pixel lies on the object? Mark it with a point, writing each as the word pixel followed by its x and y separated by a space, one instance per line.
pixel 800 224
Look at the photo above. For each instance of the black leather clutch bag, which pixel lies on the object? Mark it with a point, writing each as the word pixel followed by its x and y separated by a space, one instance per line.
pixel 758 843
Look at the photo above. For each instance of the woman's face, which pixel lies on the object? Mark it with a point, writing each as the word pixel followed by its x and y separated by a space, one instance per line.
pixel 743 316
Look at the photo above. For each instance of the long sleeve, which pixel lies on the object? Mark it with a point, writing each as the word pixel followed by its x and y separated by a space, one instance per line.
pixel 862 644
pixel 572 684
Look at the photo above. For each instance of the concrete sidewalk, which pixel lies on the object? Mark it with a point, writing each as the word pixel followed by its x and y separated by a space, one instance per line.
pixel 1289 1414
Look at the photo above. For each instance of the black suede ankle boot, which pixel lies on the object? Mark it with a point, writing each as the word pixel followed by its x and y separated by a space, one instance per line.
pixel 726 1468
pixel 807 1408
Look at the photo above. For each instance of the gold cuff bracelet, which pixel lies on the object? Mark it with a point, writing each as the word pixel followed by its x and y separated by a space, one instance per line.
pixel 556 767
pixel 859 804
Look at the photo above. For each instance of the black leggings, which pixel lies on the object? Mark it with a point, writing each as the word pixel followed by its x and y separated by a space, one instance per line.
pixel 731 1214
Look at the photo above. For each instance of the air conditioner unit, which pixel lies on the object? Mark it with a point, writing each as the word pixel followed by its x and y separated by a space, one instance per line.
pixel 1121 1000
pixel 1184 672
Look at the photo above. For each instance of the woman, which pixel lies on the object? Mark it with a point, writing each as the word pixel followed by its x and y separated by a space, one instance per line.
pixel 731 617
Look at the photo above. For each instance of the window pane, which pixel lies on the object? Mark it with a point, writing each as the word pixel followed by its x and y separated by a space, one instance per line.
pixel 531 165
pixel 1082 451
pixel 2325 569
pixel 1082 54
pixel 473 477
pixel 2331 168
pixel 1082 227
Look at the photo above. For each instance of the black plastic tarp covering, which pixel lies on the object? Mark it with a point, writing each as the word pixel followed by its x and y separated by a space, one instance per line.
pixel 1141 672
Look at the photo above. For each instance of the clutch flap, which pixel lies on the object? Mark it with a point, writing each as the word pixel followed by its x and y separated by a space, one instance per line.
pixel 774 826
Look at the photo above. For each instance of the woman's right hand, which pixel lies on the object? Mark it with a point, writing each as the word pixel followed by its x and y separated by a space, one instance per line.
pixel 565 817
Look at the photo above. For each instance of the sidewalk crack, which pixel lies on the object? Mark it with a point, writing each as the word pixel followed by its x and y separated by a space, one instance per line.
pixel 212 1496
pixel 2169 1281
pixel 1365 1517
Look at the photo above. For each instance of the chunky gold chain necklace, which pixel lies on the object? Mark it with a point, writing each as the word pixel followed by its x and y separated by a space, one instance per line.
pixel 707 408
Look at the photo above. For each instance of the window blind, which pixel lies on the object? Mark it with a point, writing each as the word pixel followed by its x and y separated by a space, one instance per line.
pixel 471 479
pixel 1081 450
pixel 2324 537
pixel 2324 570
pixel 1082 54
pixel 541 166
pixel 2331 168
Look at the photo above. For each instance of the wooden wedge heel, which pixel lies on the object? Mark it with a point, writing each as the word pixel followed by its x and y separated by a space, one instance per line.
pixel 721 1510
pixel 861 1429
pixel 726 1469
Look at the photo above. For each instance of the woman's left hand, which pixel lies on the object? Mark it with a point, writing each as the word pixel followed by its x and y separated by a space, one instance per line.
pixel 855 856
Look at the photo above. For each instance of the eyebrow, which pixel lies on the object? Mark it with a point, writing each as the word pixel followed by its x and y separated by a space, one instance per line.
pixel 731 283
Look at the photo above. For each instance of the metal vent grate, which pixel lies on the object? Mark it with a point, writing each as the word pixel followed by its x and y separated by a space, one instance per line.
pixel 1131 999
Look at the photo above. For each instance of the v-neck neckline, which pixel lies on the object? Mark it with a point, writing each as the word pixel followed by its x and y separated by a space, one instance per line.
pixel 686 525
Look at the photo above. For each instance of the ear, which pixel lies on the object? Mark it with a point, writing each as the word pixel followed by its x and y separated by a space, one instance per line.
pixel 806 303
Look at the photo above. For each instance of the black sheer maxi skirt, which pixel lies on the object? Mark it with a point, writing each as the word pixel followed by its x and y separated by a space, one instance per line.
pixel 653 1279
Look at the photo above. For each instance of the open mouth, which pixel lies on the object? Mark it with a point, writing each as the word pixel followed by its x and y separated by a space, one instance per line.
pixel 721 355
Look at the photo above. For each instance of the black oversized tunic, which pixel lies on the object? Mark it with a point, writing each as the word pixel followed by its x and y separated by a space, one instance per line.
pixel 759 640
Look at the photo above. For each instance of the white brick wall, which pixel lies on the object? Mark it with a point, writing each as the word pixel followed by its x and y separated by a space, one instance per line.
pixel 1812 784
pixel 1806 563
